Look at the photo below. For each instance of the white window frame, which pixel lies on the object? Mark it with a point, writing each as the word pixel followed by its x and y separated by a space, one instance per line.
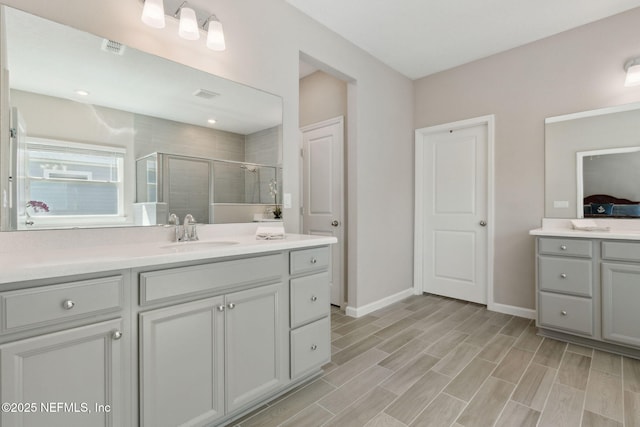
pixel 66 221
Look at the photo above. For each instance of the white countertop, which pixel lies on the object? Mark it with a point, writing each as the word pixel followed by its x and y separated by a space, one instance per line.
pixel 41 264
pixel 620 229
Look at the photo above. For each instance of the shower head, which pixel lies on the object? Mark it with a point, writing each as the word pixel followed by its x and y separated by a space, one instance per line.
pixel 249 168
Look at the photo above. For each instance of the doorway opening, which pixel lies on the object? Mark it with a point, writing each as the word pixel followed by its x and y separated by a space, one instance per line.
pixel 325 120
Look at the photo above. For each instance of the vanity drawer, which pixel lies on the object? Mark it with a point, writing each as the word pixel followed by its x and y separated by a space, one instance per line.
pixel 621 251
pixel 308 260
pixel 566 275
pixel 183 281
pixel 309 298
pixel 30 308
pixel 566 312
pixel 565 247
pixel 310 346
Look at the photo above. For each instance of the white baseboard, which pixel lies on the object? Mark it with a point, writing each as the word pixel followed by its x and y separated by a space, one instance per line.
pixel 376 305
pixel 527 313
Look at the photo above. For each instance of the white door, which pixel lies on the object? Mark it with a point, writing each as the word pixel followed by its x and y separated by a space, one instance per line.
pixel 322 192
pixel 452 211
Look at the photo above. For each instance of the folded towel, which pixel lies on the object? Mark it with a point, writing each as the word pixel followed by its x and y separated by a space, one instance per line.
pixel 270 233
pixel 587 225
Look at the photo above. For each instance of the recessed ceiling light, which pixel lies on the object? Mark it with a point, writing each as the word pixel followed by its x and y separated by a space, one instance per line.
pixel 82 92
pixel 211 121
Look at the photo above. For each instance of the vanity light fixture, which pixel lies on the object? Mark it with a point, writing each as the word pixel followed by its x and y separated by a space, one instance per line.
pixel 154 16
pixel 632 67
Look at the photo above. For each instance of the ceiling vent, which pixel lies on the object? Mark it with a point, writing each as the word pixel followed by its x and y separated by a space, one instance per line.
pixel 113 47
pixel 205 94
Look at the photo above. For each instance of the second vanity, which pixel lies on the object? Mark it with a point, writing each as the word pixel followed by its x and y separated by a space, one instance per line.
pixel 588 286
pixel 193 334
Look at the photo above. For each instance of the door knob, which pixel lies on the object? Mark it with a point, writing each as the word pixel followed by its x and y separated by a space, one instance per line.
pixel 335 223
pixel 483 223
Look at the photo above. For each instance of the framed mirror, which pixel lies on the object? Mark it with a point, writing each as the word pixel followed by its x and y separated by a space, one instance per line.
pixel 86 113
pixel 608 183
pixel 592 153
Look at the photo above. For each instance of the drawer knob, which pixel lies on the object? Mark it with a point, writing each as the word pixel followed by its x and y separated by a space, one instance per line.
pixel 116 335
pixel 68 304
pixel 314 298
pixel 231 306
pixel 220 308
pixel 313 260
pixel 563 275
pixel 563 312
pixel 563 247
pixel 314 347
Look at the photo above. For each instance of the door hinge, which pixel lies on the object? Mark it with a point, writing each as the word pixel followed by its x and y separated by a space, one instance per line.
pixel 301 152
pixel 13 133
pixel 301 210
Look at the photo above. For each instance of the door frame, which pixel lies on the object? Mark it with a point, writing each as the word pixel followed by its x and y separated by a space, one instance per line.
pixel 418 242
pixel 343 188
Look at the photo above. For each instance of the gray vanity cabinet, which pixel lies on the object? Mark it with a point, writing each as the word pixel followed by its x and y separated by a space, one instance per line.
pixel 565 285
pixel 621 292
pixel 588 292
pixel 78 368
pixel 182 364
pixel 310 333
pixel 62 353
pixel 204 359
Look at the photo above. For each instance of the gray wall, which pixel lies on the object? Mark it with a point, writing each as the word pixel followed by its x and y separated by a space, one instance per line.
pixel 577 70
pixel 322 97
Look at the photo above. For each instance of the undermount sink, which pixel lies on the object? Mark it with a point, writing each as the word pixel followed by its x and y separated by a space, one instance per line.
pixel 197 245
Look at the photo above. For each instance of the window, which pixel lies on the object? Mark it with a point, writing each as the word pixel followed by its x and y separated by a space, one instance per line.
pixel 70 184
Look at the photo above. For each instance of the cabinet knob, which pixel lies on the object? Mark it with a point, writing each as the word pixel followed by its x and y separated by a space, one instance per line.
pixel 314 298
pixel 563 312
pixel 314 347
pixel 313 260
pixel 68 304
pixel 563 275
pixel 563 247
pixel 116 335
pixel 231 306
pixel 220 308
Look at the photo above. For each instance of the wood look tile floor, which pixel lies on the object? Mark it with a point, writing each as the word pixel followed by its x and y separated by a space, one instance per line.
pixel 434 361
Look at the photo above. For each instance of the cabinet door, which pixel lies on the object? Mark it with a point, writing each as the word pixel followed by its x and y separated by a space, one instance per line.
pixel 70 376
pixel 620 297
pixel 256 332
pixel 181 364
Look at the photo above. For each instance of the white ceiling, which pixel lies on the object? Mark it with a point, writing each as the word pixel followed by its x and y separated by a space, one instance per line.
pixel 422 37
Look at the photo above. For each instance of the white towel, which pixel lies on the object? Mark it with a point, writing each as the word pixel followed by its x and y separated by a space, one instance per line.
pixel 587 225
pixel 270 233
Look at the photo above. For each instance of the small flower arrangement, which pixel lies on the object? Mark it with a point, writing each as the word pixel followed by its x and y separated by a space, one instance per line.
pixel 273 190
pixel 37 206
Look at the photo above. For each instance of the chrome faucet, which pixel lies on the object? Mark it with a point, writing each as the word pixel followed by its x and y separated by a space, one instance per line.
pixel 189 232
pixel 175 221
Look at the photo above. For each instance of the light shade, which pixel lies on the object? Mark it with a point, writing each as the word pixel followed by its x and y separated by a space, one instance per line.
pixel 188 28
pixel 153 13
pixel 215 35
pixel 632 67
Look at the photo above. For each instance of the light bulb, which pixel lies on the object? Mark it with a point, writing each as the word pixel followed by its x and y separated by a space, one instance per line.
pixel 215 35
pixel 153 13
pixel 188 24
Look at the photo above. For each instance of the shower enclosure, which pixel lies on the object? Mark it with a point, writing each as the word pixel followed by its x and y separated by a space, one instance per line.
pixel 212 190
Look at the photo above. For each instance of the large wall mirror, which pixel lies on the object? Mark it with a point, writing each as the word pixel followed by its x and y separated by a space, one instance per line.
pixel 105 135
pixel 592 164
